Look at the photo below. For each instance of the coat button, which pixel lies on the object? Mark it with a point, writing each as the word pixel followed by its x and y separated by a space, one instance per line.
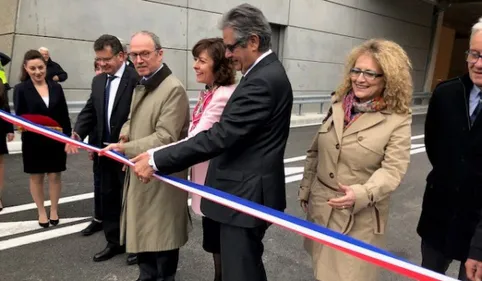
pixel 332 175
pixel 360 138
pixel 337 146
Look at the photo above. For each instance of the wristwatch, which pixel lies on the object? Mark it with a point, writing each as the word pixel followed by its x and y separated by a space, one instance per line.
pixel 151 161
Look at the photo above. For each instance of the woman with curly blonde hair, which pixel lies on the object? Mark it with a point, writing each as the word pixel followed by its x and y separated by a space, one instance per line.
pixel 359 156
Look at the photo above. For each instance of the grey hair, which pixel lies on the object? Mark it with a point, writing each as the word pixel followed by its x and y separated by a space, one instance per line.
pixel 476 28
pixel 154 37
pixel 247 20
pixel 43 49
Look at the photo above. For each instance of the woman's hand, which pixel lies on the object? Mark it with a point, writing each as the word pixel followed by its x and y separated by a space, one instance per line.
pixel 346 201
pixel 304 205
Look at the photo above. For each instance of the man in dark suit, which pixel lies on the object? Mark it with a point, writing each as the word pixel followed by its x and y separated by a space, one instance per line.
pixel 246 146
pixel 107 110
pixel 96 224
pixel 452 200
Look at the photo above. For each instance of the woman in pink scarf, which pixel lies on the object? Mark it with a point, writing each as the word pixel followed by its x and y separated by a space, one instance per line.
pixel 218 74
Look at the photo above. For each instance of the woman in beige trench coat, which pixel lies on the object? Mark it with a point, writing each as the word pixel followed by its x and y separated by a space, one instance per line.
pixel 359 156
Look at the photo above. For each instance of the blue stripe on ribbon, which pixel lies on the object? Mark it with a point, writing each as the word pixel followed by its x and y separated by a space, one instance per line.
pixel 280 215
pixel 283 216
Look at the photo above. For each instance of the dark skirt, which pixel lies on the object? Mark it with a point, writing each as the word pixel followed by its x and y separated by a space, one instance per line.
pixel 211 236
pixel 3 144
pixel 42 155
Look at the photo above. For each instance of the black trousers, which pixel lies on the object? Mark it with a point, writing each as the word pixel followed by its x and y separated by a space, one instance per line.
pixel 97 191
pixel 158 266
pixel 241 251
pixel 112 181
pixel 435 260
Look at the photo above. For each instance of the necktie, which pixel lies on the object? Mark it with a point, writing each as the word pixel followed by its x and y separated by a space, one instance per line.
pixel 477 109
pixel 106 108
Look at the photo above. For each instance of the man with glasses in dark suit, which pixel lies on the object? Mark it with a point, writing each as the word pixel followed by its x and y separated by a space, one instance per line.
pixel 106 110
pixel 453 194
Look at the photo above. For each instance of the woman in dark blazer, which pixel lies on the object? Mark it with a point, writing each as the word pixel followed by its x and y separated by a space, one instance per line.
pixel 6 132
pixel 36 99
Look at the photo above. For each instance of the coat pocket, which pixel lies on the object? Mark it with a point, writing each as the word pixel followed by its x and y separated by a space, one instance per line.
pixel 378 217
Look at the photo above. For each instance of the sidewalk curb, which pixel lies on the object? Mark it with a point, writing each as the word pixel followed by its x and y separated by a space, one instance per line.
pixel 297 121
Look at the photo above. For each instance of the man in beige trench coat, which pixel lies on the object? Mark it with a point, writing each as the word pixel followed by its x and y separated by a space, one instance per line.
pixel 155 218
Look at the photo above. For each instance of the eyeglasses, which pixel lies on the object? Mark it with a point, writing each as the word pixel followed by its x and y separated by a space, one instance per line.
pixel 145 55
pixel 368 74
pixel 472 56
pixel 232 47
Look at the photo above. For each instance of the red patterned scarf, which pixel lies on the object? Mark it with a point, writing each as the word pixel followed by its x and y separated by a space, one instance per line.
pixel 353 108
pixel 205 98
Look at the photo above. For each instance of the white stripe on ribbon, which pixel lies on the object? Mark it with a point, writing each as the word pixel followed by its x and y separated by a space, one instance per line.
pixel 317 233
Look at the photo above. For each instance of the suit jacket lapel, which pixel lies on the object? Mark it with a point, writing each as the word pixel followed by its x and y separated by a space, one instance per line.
pixel 121 90
pixel 363 122
pixel 39 98
pixel 100 88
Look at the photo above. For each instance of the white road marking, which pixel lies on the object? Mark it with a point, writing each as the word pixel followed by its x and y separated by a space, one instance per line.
pixel 293 170
pixel 41 236
pixel 414 146
pixel 293 178
pixel 12 228
pixel 294 159
pixel 418 150
pixel 417 137
pixel 30 206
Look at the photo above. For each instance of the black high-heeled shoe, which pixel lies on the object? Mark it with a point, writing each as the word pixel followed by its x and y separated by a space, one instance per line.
pixel 43 224
pixel 54 222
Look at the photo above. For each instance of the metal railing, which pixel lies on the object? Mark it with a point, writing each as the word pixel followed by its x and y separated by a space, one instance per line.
pixel 418 98
pixel 299 101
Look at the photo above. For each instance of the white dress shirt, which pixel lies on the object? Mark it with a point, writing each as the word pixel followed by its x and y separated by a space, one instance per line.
pixel 114 86
pixel 474 99
pixel 265 54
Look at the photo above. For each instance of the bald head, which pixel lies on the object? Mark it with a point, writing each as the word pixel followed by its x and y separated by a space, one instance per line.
pixel 146 52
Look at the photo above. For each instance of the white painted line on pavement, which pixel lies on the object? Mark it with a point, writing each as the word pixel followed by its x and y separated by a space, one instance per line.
pixel 293 170
pixel 12 228
pixel 418 150
pixel 42 236
pixel 294 159
pixel 31 206
pixel 414 146
pixel 417 137
pixel 293 178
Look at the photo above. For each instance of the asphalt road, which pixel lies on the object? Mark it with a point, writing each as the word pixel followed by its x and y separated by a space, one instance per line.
pixel 61 253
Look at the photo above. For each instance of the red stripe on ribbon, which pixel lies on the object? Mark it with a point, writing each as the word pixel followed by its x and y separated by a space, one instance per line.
pixel 390 263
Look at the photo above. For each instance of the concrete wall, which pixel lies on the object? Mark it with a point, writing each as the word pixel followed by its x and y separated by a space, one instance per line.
pixel 317 37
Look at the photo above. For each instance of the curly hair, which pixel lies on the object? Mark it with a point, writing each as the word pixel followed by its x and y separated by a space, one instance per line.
pixel 223 68
pixel 396 67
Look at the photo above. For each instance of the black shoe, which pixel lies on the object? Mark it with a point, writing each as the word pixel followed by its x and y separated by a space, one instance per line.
pixel 131 259
pixel 109 252
pixel 44 224
pixel 93 227
pixel 54 222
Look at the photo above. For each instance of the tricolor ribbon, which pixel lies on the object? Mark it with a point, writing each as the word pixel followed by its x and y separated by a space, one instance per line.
pixel 310 230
